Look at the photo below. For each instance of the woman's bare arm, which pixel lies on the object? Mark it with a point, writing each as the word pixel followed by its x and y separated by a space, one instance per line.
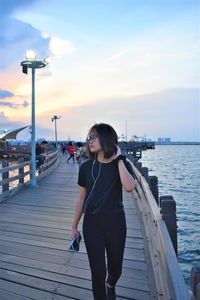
pixel 127 180
pixel 79 210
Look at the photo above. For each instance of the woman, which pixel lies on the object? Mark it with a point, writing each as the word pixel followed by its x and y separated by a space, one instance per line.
pixel 101 179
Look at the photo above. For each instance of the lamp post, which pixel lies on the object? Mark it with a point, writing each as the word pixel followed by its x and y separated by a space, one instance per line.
pixel 126 131
pixel 55 118
pixel 33 64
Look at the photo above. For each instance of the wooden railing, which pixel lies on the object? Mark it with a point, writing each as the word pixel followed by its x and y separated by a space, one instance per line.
pixel 169 280
pixel 24 176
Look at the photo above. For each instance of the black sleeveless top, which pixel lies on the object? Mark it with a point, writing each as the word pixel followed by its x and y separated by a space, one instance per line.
pixel 103 186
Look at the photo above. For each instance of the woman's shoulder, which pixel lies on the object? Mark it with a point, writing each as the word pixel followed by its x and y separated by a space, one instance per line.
pixel 86 163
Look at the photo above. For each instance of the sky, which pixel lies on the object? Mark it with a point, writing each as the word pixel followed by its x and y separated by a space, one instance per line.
pixel 131 63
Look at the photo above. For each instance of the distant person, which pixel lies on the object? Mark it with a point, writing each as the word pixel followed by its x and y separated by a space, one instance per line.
pixel 39 155
pixel 101 179
pixel 63 148
pixel 81 155
pixel 71 151
pixel 79 152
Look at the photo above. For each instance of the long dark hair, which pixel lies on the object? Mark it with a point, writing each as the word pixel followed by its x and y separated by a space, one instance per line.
pixel 107 138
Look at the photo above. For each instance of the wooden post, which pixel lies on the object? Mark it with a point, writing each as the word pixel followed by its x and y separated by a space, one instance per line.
pixel 21 171
pixel 144 171
pixel 30 166
pixel 134 160
pixel 195 282
pixel 134 152
pixel 138 166
pixel 139 153
pixel 5 175
pixel 168 211
pixel 153 183
pixel 198 291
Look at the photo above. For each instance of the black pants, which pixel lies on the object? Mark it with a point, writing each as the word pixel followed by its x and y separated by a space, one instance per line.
pixel 105 232
pixel 71 156
pixel 39 160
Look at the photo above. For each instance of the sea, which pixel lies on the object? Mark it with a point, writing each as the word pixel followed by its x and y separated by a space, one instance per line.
pixel 178 170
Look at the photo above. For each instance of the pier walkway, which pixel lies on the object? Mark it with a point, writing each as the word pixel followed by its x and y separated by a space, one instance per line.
pixel 34 237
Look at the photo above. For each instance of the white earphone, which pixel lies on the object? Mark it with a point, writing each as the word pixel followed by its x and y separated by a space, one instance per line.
pixel 95 180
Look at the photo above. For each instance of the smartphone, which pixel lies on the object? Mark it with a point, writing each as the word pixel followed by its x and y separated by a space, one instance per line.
pixel 75 242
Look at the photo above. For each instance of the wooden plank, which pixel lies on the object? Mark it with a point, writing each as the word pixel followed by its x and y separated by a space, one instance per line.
pixel 27 292
pixel 50 286
pixel 68 275
pixel 8 295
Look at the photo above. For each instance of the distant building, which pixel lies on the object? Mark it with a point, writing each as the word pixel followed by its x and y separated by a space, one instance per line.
pixel 165 140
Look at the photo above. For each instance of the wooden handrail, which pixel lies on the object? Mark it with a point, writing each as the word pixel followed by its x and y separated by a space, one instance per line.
pixel 14 178
pixel 168 276
pixel 50 162
pixel 15 167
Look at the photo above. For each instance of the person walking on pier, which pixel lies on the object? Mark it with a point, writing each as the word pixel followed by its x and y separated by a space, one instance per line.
pixel 101 179
pixel 71 150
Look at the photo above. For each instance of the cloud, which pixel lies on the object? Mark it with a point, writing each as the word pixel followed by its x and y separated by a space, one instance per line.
pixel 20 36
pixel 170 112
pixel 59 46
pixel 3 118
pixel 25 103
pixel 118 55
pixel 8 104
pixel 16 36
pixel 8 124
pixel 5 94
pixel 13 100
pixel 14 105
pixel 44 131
pixel 9 6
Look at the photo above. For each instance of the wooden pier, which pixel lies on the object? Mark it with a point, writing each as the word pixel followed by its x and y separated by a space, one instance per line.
pixel 35 263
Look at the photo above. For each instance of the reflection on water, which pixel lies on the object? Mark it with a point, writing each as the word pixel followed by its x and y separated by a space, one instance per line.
pixel 14 173
pixel 177 168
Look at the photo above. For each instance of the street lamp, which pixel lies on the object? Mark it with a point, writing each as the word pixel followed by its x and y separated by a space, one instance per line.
pixel 55 118
pixel 32 63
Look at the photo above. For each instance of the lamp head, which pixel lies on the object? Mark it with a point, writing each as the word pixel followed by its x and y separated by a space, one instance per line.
pixel 30 55
pixel 47 60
